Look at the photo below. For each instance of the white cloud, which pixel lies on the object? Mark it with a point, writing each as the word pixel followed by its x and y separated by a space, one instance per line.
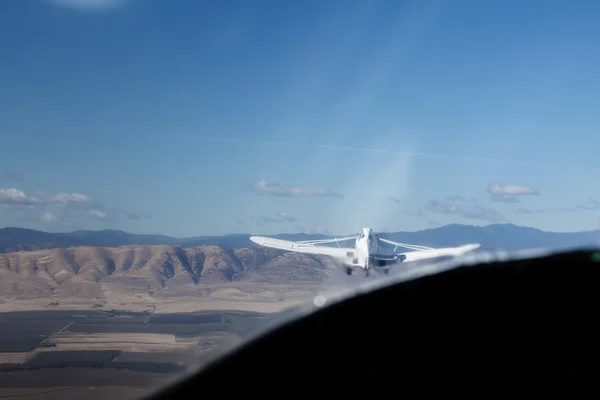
pixel 67 198
pixel 510 193
pixel 471 211
pixel 112 215
pixel 13 196
pixel 279 217
pixel 265 188
pixel 91 5
pixel 99 214
pixel 320 230
pixel 512 190
pixel 68 206
pixel 48 217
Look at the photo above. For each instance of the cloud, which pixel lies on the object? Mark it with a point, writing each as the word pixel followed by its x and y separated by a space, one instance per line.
pixel 287 217
pixel 524 211
pixel 13 196
pixel 48 217
pixel 592 204
pixel 264 188
pixel 91 5
pixel 99 215
pixel 320 230
pixel 13 176
pixel 505 199
pixel 567 209
pixel 471 211
pixel 63 206
pixel 278 218
pixel 113 215
pixel 528 211
pixel 455 198
pixel 510 193
pixel 512 190
pixel 461 199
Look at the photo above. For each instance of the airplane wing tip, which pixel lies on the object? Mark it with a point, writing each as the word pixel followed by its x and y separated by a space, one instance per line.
pixel 470 247
pixel 256 239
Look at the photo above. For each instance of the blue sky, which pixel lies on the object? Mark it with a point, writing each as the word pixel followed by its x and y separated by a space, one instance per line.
pixel 197 118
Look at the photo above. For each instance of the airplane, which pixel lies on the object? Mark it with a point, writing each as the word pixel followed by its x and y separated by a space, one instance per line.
pixel 366 253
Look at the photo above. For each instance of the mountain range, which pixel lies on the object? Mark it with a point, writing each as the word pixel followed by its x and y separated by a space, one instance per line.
pixel 120 270
pixel 497 236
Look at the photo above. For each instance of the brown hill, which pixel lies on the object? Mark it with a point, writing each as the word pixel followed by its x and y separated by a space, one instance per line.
pixel 148 272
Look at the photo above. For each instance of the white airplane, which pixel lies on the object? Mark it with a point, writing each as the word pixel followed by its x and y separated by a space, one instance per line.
pixel 366 252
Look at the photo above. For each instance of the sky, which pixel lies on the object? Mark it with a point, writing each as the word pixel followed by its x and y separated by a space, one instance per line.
pixel 212 117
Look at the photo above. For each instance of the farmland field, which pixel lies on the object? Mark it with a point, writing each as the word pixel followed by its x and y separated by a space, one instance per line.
pixel 62 350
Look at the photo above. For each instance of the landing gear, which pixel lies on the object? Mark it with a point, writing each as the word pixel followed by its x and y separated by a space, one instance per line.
pixel 386 271
pixel 367 271
pixel 349 270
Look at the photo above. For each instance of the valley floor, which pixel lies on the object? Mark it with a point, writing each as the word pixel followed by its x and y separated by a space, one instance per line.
pixel 56 354
pixel 245 296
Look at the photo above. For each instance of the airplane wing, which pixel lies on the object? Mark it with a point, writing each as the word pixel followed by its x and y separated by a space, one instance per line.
pixel 424 252
pixel 309 247
pixel 440 252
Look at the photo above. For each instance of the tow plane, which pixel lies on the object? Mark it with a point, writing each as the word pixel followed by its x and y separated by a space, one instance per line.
pixel 367 252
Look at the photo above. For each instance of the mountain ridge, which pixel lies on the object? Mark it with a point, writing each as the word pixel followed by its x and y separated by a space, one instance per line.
pixel 500 236
pixel 151 276
pixel 49 270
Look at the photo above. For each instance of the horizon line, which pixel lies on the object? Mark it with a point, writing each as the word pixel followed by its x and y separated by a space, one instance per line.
pixel 209 236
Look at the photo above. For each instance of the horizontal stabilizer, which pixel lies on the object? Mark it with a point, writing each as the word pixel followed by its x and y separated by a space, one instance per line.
pixel 415 247
pixel 386 257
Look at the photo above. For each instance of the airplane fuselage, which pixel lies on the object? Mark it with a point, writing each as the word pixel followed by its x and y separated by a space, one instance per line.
pixel 365 245
pixel 365 250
